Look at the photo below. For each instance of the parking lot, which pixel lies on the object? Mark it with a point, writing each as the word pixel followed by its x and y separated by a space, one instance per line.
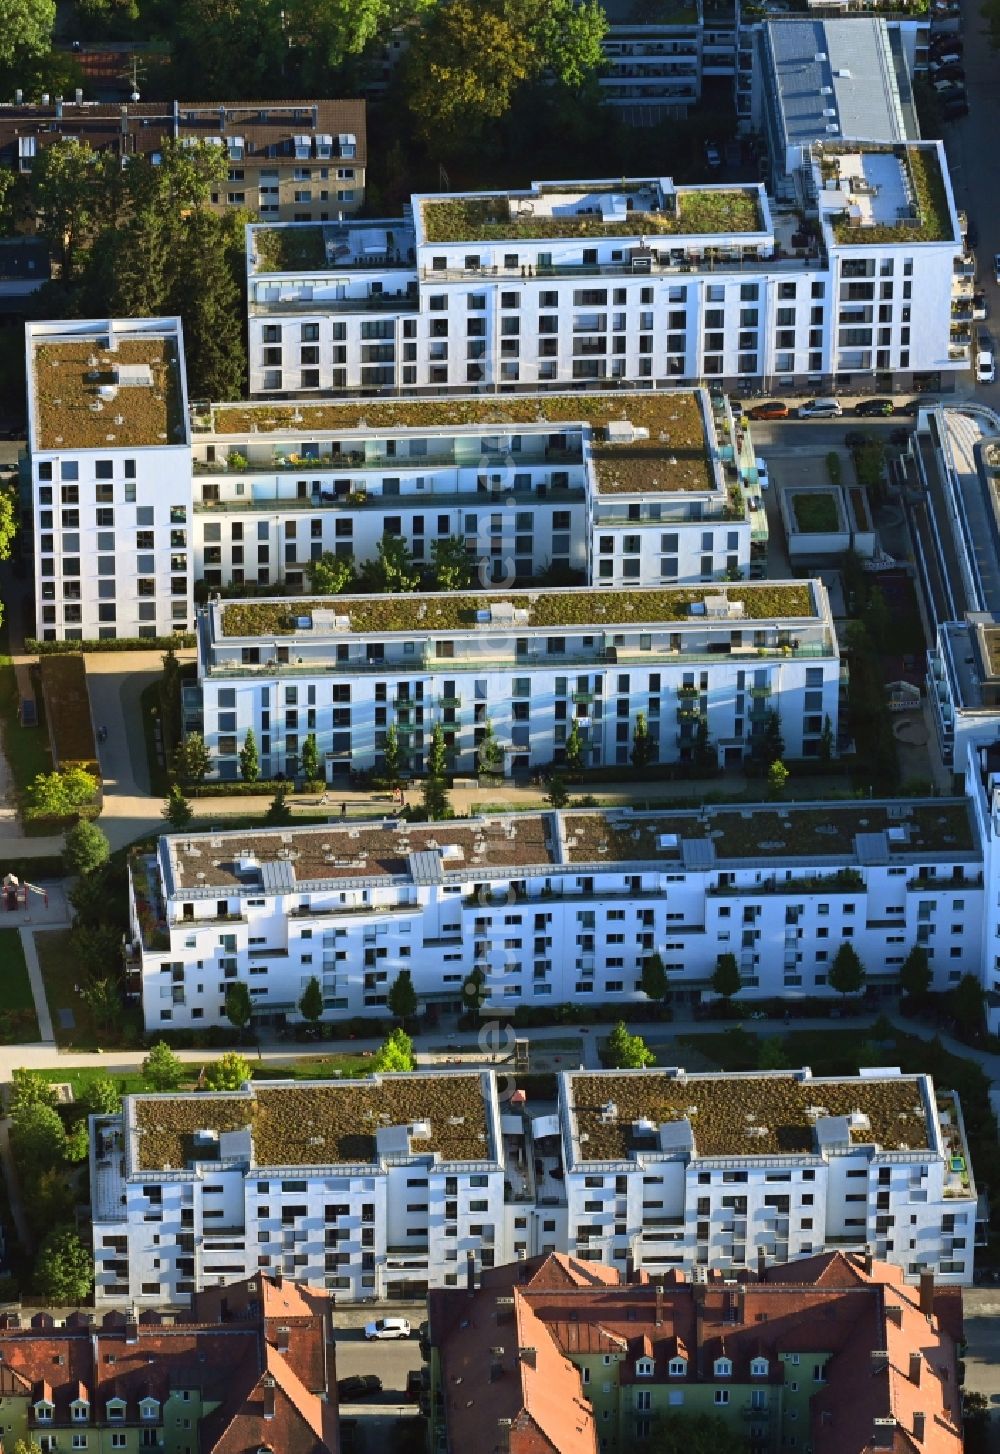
pixel 377 1417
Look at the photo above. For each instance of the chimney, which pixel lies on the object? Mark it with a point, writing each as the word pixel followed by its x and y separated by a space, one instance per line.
pixel 277 1279
pixel 700 1291
pixel 268 1396
pixel 283 1337
pixel 927 1293
pixel 760 1263
pixel 869 1262
pixel 78 95
pixel 19 97
pixel 916 1361
pixel 630 1266
pixel 529 1356
pixel 496 1364
pixel 659 1305
pixel 503 1436
pixel 918 1427
pixel 884 1433
pixel 470 1272
pixel 895 1314
pixel 131 1329
pixel 59 108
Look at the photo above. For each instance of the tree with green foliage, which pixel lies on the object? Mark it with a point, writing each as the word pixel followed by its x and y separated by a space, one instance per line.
pixel 161 1067
pixel 77 1145
pixel 393 570
pixel 192 759
pixel 38 1138
pixel 228 1072
pixel 557 793
pixel 311 1002
pixel 726 976
pixel 966 1001
pixel 489 757
pixel 435 784
pixel 915 973
pixel 772 1054
pixel 847 973
pixel 100 1097
pixel 97 949
pixel 8 495
pixel 64 1269
pixel 205 293
pixel 654 983
pixel 86 848
pixel 772 743
pixel 312 770
pixel 391 757
pixel 643 746
pixel 403 997
pixel 395 1053
pixel 574 749
pixel 330 574
pixel 683 1433
pixel 451 564
pixel 625 1051
pixel 249 758
pixel 103 999
pixel 877 621
pixel 70 186
pixel 25 29
pixel 30 1088
pixel 826 742
pixel 777 778
pixel 704 756
pixel 278 812
pixel 471 58
pixel 177 810
pixel 239 1005
pixel 60 794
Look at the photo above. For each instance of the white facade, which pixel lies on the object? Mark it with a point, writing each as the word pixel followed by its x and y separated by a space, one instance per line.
pixel 553 908
pixel 431 1198
pixel 110 461
pixel 348 668
pixel 508 300
pixel 552 482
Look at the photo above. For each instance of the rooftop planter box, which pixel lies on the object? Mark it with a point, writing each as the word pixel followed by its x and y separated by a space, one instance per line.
pixel 67 711
pixel 700 212
pixel 285 249
pixel 933 221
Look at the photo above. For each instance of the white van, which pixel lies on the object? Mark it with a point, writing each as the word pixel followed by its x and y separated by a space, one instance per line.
pixel 820 409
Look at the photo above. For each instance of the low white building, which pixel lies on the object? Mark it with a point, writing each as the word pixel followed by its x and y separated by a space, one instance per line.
pixel 614 489
pixel 534 665
pixel 385 1187
pixel 110 462
pixel 552 908
pixel 578 282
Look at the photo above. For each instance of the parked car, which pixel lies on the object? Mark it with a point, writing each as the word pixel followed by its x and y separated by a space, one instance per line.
pixel 414 1384
pixel 820 409
pixel 996 267
pixel 954 73
pixel 763 479
pixel 713 156
pixel 955 109
pixel 774 410
pixel 922 401
pixel 358 1385
pixel 900 438
pixel 875 408
pixel 979 308
pixel 946 56
pixel 946 88
pixel 387 1328
pixel 950 43
pixel 986 369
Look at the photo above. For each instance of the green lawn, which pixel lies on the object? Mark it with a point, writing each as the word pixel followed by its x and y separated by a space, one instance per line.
pixel 26 748
pixel 61 972
pixel 18 1023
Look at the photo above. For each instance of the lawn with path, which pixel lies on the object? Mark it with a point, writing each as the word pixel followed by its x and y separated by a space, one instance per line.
pixel 18 1022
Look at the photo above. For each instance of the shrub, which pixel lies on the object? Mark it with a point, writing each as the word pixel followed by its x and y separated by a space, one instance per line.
pixel 121 643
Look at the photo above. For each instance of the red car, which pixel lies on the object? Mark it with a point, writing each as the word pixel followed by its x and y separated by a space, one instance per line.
pixel 774 410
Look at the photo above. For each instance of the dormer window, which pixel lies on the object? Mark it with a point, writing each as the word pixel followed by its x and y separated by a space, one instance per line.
pixel 758 1367
pixel 149 1409
pixel 44 1411
pixel 677 1367
pixel 723 1367
pixel 644 1368
pixel 79 1411
pixel 116 1410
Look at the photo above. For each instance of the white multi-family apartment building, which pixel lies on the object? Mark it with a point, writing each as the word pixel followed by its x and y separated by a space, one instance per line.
pixel 578 282
pixel 110 467
pixel 534 665
pixel 613 489
pixel 553 908
pixel 386 1187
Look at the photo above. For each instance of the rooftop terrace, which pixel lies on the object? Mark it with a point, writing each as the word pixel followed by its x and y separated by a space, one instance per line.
pixel 320 1122
pixel 318 247
pixel 725 1109
pixel 571 607
pixel 372 849
pixel 761 832
pixel 90 396
pixel 673 456
pixel 886 195
pixel 573 210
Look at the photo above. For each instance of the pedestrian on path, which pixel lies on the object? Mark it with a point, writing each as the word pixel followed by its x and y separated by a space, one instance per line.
pixel 343 810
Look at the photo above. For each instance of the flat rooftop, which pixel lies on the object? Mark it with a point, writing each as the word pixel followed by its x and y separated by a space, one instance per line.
pixel 393 848
pixel 317 1123
pixel 789 832
pixel 650 207
pixel 579 607
pixel 672 456
pixel 844 68
pixel 88 395
pixel 743 1114
pixel 315 247
pixel 885 194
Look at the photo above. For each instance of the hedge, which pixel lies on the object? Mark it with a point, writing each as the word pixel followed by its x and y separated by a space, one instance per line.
pixel 30 870
pixel 265 788
pixel 122 643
